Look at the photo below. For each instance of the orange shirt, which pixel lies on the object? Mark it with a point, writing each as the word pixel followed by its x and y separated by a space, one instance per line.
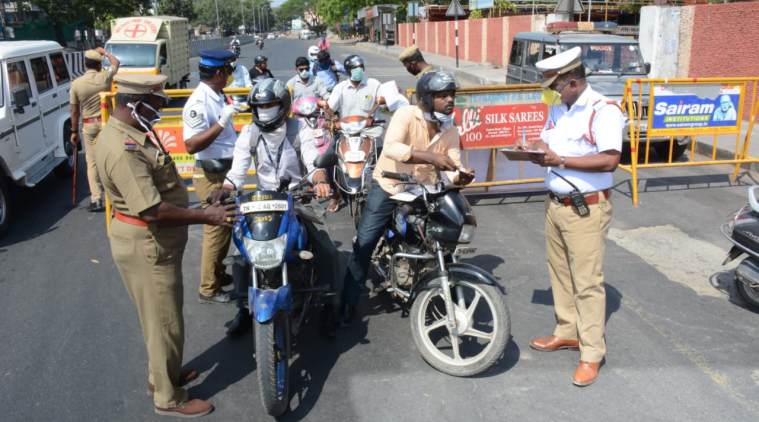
pixel 407 133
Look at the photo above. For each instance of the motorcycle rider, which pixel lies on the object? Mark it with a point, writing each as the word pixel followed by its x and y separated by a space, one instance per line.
pixel 241 77
pixel 234 45
pixel 260 68
pixel 326 70
pixel 356 96
pixel 420 140
pixel 277 159
pixel 304 84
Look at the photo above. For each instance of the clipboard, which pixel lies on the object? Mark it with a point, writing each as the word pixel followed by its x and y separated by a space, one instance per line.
pixel 514 154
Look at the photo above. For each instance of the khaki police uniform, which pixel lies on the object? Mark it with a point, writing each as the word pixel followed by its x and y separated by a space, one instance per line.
pixel 85 92
pixel 201 111
pixel 137 173
pixel 413 53
pixel 575 245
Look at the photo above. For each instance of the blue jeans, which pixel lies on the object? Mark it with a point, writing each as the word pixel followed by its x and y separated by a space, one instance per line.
pixel 374 221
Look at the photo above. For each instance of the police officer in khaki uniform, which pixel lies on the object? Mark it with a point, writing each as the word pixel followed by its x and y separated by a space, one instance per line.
pixel 414 62
pixel 149 233
pixel 85 101
pixel 582 140
pixel 210 135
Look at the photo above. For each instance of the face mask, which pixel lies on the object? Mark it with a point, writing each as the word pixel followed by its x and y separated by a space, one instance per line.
pixel 304 74
pixel 551 97
pixel 275 138
pixel 268 114
pixel 444 120
pixel 357 74
pixel 144 122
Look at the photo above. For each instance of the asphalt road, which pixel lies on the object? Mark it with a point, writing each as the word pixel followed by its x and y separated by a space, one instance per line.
pixel 681 344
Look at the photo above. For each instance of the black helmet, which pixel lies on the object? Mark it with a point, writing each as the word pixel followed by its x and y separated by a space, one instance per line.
pixel 354 60
pixel 269 91
pixel 260 59
pixel 431 83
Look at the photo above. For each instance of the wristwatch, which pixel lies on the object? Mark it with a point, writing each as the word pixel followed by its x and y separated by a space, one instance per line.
pixel 563 163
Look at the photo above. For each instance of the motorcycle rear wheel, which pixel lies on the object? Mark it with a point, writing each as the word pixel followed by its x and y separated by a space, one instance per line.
pixel 430 306
pixel 273 363
pixel 748 294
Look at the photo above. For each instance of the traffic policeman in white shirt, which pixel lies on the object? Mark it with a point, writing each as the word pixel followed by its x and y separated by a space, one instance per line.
pixel 582 140
pixel 210 135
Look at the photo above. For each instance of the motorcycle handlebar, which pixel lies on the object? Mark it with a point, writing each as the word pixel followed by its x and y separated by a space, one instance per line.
pixel 402 177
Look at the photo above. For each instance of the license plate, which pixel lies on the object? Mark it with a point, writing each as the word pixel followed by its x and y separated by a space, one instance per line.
pixel 354 156
pixel 464 250
pixel 263 206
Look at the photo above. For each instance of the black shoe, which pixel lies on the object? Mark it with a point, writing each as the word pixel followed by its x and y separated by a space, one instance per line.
pixel 96 206
pixel 218 297
pixel 241 324
pixel 225 280
pixel 328 322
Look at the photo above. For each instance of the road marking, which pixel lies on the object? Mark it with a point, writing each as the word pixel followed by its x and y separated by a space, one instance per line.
pixel 683 259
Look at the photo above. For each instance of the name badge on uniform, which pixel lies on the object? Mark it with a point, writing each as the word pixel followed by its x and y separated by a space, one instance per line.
pixel 130 145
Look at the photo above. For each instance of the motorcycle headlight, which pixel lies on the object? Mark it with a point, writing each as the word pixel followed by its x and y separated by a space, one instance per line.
pixel 268 254
pixel 467 233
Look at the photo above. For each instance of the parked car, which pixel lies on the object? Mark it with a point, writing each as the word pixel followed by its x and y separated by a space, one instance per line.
pixel 35 123
pixel 270 36
pixel 610 61
pixel 307 34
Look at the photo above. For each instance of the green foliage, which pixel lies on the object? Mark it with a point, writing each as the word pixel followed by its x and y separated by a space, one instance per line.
pixel 90 13
pixel 182 8
pixel 475 14
pixel 334 11
pixel 231 13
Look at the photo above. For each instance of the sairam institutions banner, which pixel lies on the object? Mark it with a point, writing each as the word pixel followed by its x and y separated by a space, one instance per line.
pixel 498 119
pixel 695 108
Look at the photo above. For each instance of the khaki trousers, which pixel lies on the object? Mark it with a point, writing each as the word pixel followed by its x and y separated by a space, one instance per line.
pixel 151 268
pixel 575 249
pixel 215 238
pixel 90 132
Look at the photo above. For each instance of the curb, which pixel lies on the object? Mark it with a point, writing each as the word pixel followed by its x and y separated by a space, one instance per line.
pixel 462 75
pixel 705 148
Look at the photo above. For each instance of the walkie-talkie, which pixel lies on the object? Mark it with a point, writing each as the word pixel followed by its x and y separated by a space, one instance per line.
pixel 577 198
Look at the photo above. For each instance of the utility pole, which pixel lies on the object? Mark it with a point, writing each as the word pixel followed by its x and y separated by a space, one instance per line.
pixel 218 26
pixel 242 15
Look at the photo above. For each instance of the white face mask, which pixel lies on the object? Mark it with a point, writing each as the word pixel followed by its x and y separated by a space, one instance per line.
pixel 275 138
pixel 444 120
pixel 268 114
pixel 144 122
pixel 304 74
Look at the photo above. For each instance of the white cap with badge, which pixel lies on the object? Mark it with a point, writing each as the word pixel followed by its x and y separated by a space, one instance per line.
pixel 553 67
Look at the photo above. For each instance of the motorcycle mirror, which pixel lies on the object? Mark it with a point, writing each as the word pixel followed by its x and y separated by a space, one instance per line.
pixel 328 159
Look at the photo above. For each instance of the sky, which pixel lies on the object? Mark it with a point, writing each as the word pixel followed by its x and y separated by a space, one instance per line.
pixel 276 3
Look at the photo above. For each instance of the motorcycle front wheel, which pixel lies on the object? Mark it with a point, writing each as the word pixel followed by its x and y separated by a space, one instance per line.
pixel 483 326
pixel 748 293
pixel 273 363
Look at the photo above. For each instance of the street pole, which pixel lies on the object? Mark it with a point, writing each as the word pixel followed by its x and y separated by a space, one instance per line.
pixel 218 26
pixel 253 9
pixel 590 6
pixel 456 32
pixel 242 15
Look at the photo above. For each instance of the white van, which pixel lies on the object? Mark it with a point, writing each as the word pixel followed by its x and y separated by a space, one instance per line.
pixel 35 123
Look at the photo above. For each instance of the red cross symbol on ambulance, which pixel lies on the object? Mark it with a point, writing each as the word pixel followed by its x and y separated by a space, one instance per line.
pixel 135 30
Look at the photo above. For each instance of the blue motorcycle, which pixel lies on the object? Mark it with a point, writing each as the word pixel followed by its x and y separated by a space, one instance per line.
pixel 272 236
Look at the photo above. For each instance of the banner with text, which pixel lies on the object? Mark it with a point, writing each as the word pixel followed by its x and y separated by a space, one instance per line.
pixel 696 108
pixel 499 119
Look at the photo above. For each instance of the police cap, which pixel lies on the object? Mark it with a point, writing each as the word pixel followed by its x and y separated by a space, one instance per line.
pixel 140 84
pixel 410 54
pixel 216 58
pixel 93 55
pixel 553 67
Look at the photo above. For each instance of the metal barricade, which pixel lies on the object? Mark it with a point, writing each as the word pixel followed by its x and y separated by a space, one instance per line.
pixel 688 107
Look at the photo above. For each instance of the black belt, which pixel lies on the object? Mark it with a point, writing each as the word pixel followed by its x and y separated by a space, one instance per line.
pixel 215 165
pixel 590 198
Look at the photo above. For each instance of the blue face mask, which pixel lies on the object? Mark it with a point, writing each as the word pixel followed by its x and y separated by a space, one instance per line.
pixel 357 74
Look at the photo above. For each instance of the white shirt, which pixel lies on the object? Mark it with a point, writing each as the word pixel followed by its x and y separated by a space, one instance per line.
pixel 271 165
pixel 311 88
pixel 566 132
pixel 241 77
pixel 200 113
pixel 347 100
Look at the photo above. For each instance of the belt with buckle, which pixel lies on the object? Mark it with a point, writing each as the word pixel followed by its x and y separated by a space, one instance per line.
pixel 590 198
pixel 89 120
pixel 129 219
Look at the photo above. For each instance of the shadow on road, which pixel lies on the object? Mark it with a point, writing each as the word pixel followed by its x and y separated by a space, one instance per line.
pixel 679 183
pixel 724 281
pixel 230 359
pixel 613 299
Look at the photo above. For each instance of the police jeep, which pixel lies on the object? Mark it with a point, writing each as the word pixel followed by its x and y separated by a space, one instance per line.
pixel 35 123
pixel 610 60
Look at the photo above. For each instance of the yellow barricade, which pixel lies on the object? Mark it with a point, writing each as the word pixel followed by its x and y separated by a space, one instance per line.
pixel 169 130
pixel 496 116
pixel 689 107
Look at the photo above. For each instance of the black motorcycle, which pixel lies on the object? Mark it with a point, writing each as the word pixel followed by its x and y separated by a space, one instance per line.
pixel 742 229
pixel 459 319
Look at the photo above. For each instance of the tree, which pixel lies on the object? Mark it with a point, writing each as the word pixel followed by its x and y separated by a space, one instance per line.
pixel 88 12
pixel 231 14
pixel 183 8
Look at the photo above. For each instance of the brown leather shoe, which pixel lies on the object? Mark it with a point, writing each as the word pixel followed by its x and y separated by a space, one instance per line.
pixel 586 373
pixel 553 343
pixel 185 376
pixel 189 409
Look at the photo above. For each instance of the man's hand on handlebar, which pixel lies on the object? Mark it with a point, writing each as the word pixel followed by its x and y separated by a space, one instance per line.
pixel 465 177
pixel 322 188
